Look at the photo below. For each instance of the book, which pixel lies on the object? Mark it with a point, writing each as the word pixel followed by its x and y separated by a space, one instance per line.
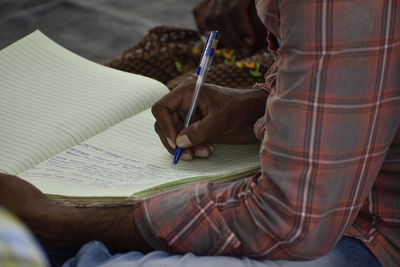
pixel 83 133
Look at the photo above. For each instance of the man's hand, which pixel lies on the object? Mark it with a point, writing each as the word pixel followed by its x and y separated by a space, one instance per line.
pixel 62 226
pixel 223 115
pixel 237 20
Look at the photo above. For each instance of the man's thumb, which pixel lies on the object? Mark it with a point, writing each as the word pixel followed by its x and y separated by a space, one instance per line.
pixel 197 133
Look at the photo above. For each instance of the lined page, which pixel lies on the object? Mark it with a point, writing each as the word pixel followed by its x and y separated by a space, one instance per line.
pixel 52 99
pixel 129 158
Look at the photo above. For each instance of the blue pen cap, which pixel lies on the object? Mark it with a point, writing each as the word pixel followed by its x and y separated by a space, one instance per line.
pixel 215 34
pixel 212 42
pixel 209 48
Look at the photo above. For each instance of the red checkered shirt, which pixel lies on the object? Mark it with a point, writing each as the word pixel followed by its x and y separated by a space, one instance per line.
pixel 330 154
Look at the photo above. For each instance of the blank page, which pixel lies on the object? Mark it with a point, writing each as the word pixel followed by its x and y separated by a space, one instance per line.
pixel 52 99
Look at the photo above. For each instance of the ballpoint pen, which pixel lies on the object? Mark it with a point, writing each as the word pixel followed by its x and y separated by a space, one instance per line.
pixel 205 62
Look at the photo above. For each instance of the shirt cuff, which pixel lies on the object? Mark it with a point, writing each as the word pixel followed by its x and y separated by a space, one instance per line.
pixel 185 220
pixel 259 128
pixel 270 82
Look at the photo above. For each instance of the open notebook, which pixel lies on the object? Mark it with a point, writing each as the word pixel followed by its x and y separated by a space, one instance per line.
pixel 83 133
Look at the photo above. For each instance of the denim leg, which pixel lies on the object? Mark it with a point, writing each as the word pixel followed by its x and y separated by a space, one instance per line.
pixel 348 252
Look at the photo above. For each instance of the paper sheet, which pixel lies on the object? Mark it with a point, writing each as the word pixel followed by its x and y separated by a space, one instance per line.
pixel 52 99
pixel 128 158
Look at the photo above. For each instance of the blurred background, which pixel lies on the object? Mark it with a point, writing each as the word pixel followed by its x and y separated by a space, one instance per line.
pixel 95 29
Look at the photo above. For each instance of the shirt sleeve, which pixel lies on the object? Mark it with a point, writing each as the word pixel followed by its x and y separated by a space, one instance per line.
pixel 270 82
pixel 329 123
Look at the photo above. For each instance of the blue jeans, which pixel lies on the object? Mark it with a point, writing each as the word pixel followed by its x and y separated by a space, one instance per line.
pixel 348 252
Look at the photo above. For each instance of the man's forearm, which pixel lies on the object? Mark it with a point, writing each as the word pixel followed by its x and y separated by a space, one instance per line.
pixel 62 226
pixel 114 226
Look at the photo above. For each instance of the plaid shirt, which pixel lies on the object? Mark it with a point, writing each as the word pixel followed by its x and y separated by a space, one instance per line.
pixel 330 155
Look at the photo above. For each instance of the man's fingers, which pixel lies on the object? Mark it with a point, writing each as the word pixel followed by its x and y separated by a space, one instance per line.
pixel 165 122
pixel 199 13
pixel 242 28
pixel 166 111
pixel 203 150
pixel 199 132
pixel 188 153
pixel 231 19
pixel 166 141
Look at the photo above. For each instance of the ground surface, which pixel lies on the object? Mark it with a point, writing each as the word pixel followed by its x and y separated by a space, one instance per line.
pixel 95 29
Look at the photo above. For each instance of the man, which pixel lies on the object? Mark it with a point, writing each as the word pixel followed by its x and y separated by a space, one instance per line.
pixel 329 153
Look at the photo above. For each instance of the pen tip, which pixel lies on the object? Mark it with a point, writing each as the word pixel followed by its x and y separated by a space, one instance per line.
pixel 177 154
